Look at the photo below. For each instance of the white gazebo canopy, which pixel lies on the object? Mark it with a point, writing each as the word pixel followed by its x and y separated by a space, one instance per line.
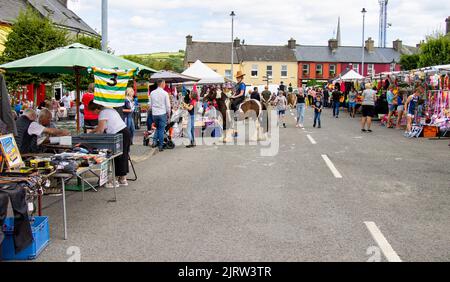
pixel 351 75
pixel 205 73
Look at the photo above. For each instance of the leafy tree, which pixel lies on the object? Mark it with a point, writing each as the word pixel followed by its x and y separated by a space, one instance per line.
pixel 409 62
pixel 173 63
pixel 31 34
pixel 436 51
pixel 68 79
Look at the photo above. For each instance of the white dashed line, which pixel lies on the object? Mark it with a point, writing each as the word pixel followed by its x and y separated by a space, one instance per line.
pixel 384 245
pixel 331 166
pixel 311 139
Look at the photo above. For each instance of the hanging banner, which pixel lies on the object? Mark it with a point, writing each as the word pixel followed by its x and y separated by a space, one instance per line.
pixel 142 92
pixel 110 86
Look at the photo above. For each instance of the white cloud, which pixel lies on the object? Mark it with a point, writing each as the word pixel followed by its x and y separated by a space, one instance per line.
pixel 161 25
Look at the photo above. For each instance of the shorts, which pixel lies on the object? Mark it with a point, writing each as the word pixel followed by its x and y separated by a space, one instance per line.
pixel 391 108
pixel 368 111
pixel 352 105
pixel 281 112
pixel 410 115
pixel 400 108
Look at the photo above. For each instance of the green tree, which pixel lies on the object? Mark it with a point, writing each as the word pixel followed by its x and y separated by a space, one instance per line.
pixel 68 79
pixel 436 51
pixel 409 62
pixel 31 34
pixel 173 63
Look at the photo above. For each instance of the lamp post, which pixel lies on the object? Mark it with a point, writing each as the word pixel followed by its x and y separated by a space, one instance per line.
pixel 232 43
pixel 363 52
pixel 105 25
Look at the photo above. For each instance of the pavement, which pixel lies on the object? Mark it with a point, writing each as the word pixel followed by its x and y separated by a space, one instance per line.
pixel 330 194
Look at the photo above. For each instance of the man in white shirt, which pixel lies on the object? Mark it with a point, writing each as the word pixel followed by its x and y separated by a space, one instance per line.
pixel 160 107
pixel 66 101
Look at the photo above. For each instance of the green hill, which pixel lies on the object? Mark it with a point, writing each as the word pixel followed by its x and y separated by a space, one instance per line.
pixel 160 61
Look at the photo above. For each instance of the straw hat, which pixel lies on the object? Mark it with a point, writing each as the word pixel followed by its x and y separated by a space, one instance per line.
pixel 240 74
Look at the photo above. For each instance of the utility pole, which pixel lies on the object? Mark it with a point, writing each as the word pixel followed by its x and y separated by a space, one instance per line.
pixel 105 25
pixel 232 44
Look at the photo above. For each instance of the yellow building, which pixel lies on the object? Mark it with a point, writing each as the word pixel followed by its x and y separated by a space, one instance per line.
pixel 255 61
pixel 4 31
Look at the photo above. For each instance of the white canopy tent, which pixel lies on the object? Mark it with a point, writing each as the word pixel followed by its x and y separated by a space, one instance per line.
pixel 351 75
pixel 205 73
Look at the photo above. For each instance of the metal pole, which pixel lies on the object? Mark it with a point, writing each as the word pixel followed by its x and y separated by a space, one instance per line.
pixel 363 52
pixel 105 25
pixel 232 44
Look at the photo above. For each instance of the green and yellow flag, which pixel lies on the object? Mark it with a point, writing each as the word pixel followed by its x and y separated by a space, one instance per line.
pixel 110 86
pixel 142 92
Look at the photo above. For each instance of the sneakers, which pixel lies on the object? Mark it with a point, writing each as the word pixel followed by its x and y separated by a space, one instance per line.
pixel 123 182
pixel 110 185
pixel 363 130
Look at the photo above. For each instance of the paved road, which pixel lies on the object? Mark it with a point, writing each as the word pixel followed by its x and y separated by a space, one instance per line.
pixel 227 203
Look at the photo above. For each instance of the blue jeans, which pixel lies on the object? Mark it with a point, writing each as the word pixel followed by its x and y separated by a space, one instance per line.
pixel 317 118
pixel 149 121
pixel 191 128
pixel 130 124
pixel 301 113
pixel 161 123
pixel 336 106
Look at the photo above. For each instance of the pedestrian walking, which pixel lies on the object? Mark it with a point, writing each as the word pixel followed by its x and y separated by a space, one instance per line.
pixel 336 96
pixel 160 107
pixel 318 107
pixel 352 102
pixel 301 106
pixel 368 108
pixel 190 107
pixel 281 105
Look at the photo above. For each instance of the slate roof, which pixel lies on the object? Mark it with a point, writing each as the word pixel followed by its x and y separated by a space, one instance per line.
pixel 62 16
pixel 220 52
pixel 345 54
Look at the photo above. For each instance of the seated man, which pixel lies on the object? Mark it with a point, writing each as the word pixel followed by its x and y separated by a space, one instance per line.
pixel 239 97
pixel 31 134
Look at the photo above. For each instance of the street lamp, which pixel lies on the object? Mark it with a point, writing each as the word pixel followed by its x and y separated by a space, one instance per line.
pixel 363 52
pixel 105 25
pixel 232 43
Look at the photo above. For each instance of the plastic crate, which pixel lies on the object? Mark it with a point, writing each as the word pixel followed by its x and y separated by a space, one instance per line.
pixel 111 142
pixel 41 239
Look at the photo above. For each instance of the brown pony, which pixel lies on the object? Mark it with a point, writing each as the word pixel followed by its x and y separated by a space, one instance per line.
pixel 249 109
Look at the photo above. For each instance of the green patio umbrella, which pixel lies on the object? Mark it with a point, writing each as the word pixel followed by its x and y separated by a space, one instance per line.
pixel 73 59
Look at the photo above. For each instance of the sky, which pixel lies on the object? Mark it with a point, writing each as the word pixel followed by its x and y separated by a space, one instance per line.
pixel 147 26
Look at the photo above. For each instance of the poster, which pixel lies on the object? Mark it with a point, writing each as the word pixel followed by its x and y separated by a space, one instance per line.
pixel 103 174
pixel 10 151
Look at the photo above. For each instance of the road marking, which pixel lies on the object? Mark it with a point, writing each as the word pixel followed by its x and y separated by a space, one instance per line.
pixel 331 166
pixel 311 139
pixel 384 245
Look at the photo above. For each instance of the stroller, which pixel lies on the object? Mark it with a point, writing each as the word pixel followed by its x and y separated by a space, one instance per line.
pixel 168 142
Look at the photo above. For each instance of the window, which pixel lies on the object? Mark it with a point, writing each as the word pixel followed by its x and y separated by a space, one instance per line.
pixel 284 71
pixel 356 67
pixel 269 71
pixel 228 74
pixel 332 70
pixel 305 69
pixel 254 70
pixel 370 69
pixel 319 70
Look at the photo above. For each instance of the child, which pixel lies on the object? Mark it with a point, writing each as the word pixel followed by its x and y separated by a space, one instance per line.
pixel 281 103
pixel 317 106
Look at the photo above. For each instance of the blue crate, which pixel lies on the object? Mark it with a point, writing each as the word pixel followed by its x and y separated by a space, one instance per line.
pixel 41 239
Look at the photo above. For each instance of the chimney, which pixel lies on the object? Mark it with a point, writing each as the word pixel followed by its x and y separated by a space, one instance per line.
pixel 188 40
pixel 370 45
pixel 292 44
pixel 397 45
pixel 237 42
pixel 333 44
pixel 447 31
pixel 64 2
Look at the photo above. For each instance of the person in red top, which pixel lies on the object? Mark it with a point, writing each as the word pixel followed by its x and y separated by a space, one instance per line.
pixel 90 118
